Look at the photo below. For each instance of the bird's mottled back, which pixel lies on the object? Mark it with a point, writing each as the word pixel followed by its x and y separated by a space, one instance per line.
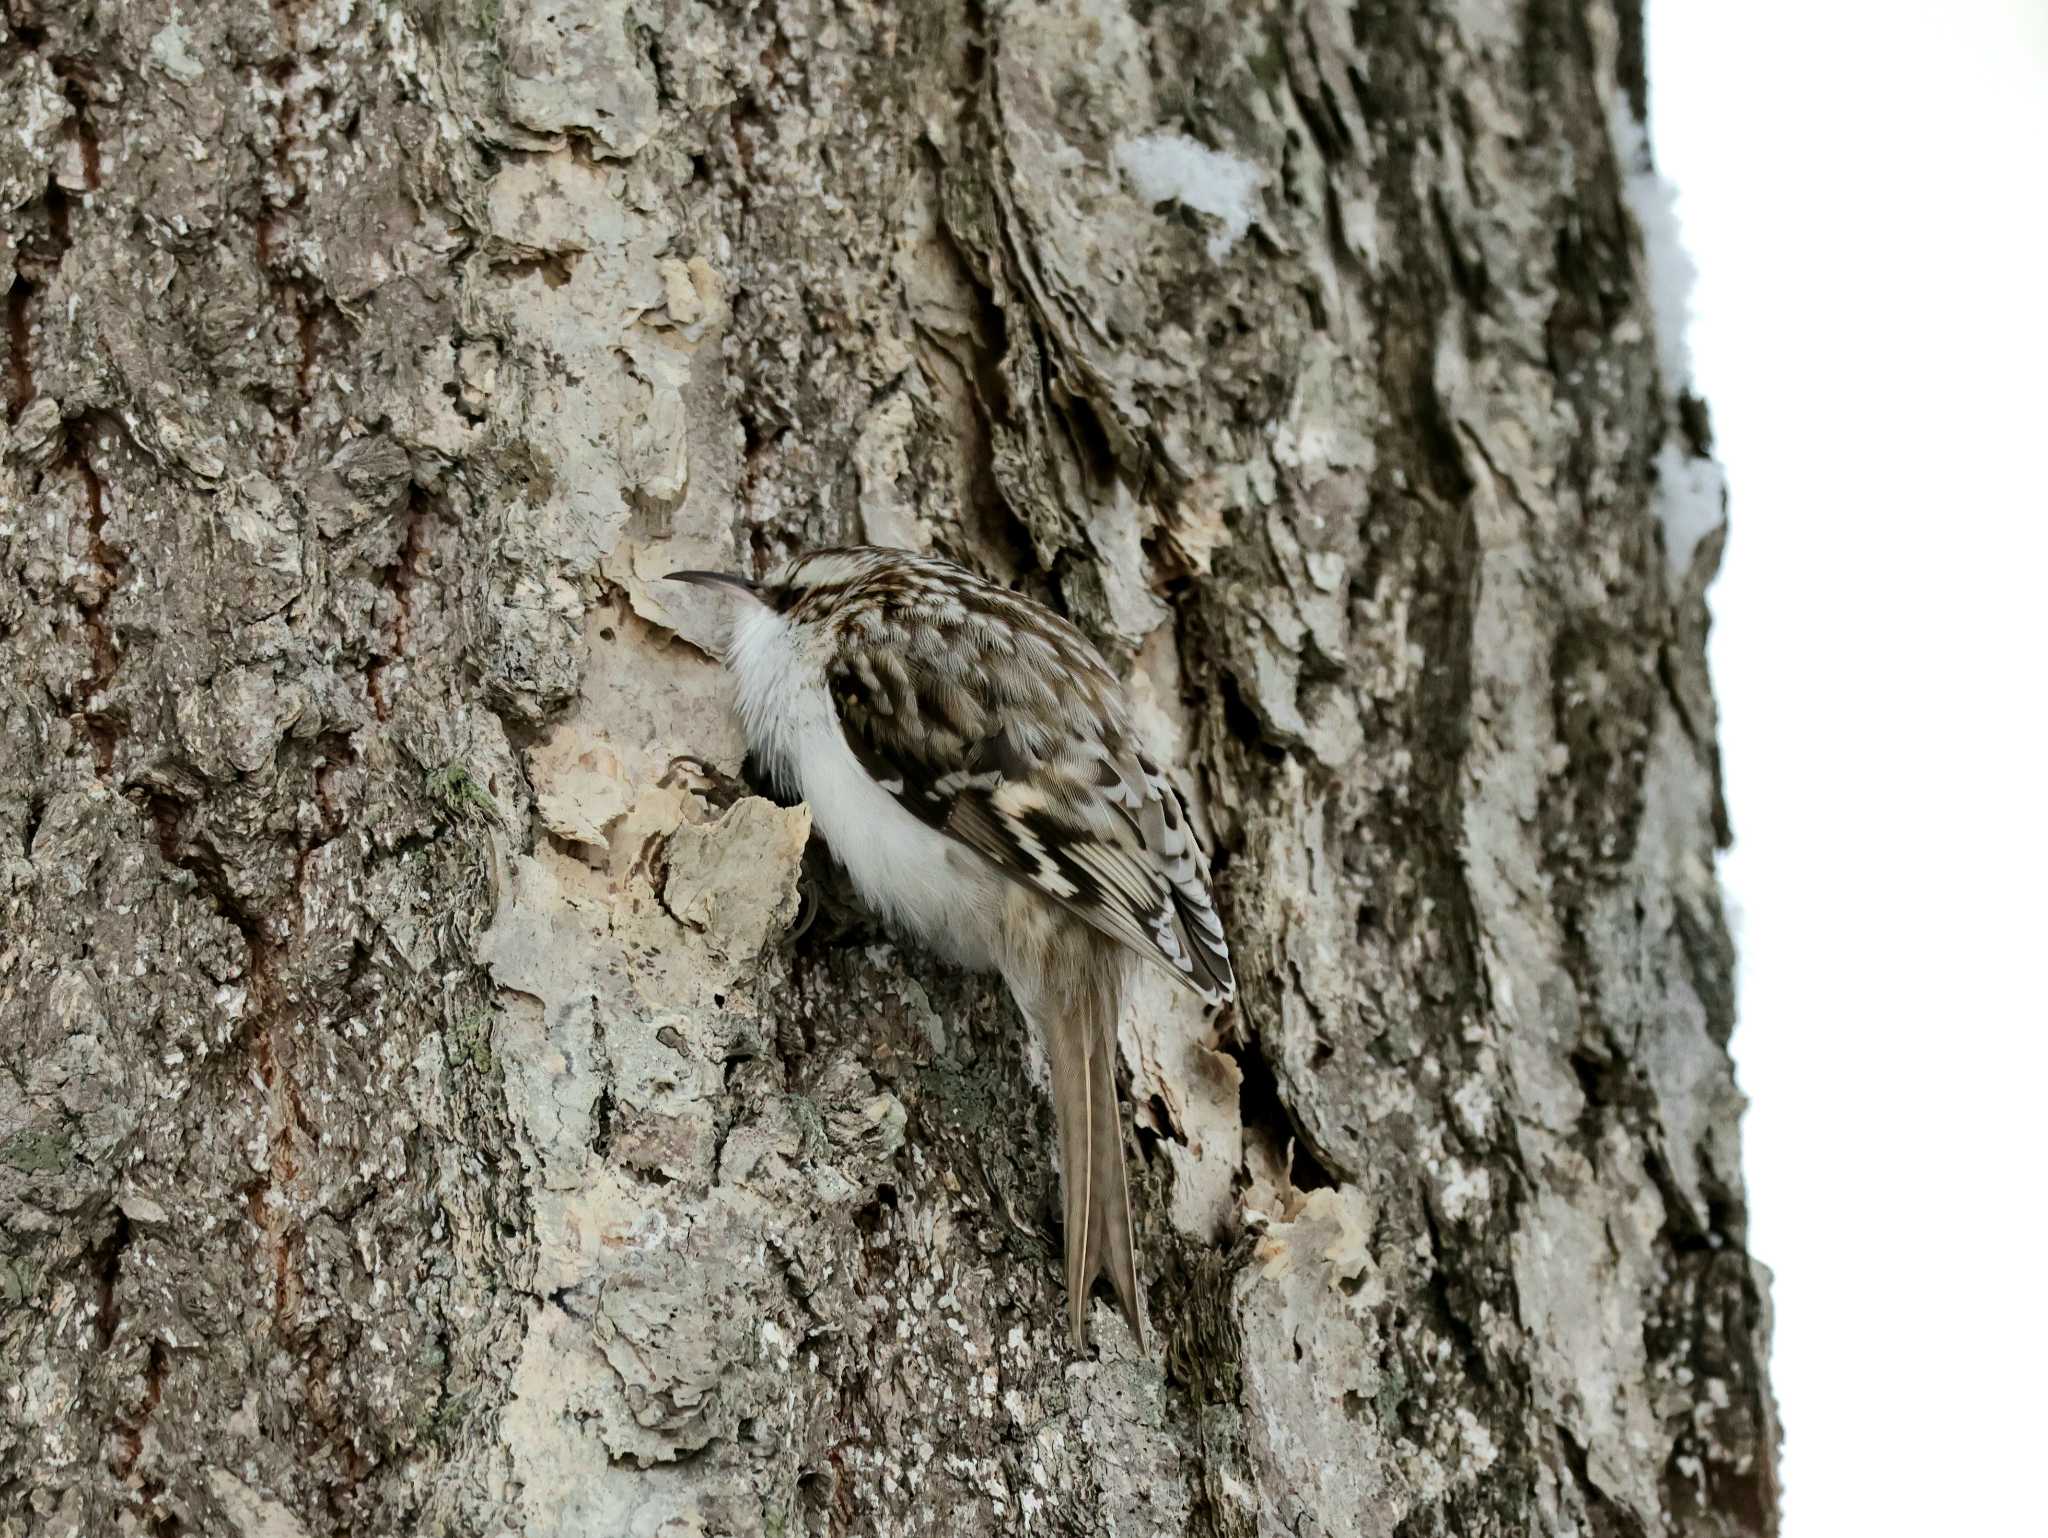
pixel 993 720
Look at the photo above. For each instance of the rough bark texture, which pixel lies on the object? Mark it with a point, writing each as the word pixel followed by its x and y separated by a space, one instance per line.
pixel 416 1116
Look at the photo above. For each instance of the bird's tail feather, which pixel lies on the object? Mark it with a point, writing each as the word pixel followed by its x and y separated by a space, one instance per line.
pixel 1079 1025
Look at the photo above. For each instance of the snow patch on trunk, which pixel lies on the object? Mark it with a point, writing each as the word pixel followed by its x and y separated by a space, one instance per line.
pixel 1692 495
pixel 1173 168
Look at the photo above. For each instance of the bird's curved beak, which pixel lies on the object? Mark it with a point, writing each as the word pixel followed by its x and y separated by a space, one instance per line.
pixel 713 579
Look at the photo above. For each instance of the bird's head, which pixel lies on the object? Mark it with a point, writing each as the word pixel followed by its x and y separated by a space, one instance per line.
pixel 808 587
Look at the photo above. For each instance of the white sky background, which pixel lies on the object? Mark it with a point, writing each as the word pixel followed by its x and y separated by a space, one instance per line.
pixel 1864 189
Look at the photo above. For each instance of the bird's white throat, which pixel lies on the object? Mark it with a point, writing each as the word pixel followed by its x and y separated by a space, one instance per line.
pixel 941 892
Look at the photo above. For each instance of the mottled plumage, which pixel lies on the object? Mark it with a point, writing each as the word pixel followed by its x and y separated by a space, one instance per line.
pixel 970 759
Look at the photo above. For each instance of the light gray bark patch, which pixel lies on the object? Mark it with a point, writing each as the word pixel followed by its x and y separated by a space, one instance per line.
pixel 578 65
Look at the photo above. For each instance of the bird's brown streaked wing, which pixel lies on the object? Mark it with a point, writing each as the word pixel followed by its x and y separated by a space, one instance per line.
pixel 1097 828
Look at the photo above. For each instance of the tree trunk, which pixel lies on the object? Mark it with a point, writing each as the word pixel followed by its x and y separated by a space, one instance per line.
pixel 420 1110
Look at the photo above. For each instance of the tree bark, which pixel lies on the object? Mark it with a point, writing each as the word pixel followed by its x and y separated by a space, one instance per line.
pixel 420 1113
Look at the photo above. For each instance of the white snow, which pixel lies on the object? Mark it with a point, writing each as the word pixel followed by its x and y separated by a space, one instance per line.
pixel 1692 493
pixel 1692 497
pixel 1173 168
pixel 1654 203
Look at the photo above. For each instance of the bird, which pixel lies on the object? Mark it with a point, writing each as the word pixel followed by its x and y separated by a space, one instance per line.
pixel 970 759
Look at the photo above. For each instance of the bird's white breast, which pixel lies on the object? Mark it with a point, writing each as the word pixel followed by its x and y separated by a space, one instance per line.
pixel 908 871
